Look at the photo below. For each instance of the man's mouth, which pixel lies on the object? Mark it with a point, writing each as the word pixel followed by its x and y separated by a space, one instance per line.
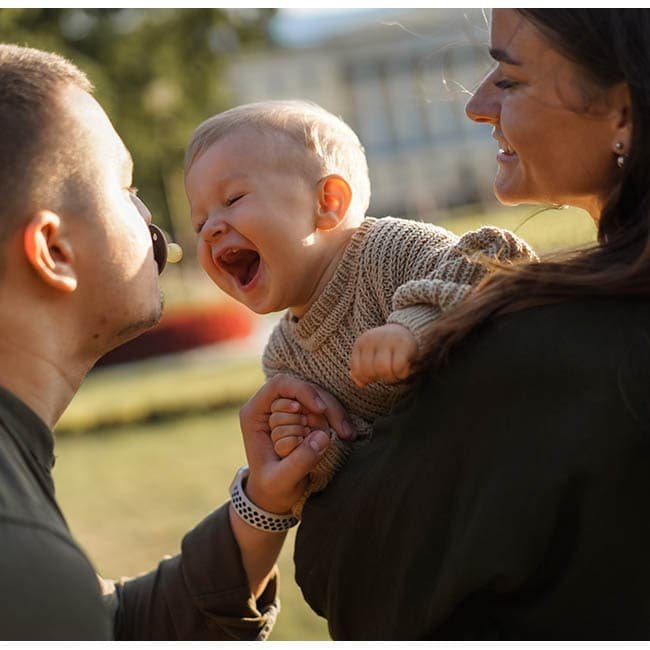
pixel 241 263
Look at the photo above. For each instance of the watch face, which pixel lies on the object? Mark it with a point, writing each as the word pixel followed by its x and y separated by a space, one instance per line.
pixel 241 474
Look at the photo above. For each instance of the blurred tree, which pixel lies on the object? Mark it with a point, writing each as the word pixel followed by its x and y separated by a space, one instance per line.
pixel 158 73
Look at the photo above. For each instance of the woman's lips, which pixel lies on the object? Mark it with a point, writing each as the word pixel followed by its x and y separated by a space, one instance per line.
pixel 506 155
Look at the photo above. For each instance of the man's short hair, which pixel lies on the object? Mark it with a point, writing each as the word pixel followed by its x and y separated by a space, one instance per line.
pixel 334 145
pixel 34 150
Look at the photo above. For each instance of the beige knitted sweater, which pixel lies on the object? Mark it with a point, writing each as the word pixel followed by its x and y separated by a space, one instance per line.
pixel 392 271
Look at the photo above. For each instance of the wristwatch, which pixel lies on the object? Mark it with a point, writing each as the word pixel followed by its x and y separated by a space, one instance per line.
pixel 252 514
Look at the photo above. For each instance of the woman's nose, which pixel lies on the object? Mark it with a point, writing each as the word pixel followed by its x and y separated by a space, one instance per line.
pixel 485 104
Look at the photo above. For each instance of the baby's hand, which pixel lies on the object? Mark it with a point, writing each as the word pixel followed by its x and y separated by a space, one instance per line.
pixel 290 423
pixel 385 352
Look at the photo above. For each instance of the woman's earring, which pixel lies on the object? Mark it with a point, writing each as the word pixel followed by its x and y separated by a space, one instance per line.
pixel 620 159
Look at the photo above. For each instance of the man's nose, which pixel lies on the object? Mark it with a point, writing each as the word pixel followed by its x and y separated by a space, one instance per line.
pixel 485 104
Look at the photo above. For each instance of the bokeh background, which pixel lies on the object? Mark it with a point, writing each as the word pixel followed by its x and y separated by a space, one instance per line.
pixel 149 445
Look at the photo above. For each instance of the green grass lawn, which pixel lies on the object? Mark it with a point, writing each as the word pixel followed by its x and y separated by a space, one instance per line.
pixel 160 388
pixel 130 494
pixel 162 456
pixel 547 230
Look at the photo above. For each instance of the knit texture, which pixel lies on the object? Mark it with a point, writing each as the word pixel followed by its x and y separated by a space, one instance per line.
pixel 392 271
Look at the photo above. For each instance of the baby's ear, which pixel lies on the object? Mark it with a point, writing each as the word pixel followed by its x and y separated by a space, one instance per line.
pixel 334 196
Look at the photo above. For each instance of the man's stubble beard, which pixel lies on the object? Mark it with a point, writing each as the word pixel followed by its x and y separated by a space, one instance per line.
pixel 139 327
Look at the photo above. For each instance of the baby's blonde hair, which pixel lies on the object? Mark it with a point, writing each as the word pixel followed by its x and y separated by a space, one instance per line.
pixel 330 140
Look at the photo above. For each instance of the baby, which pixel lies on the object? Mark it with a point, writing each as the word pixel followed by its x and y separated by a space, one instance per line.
pixel 278 193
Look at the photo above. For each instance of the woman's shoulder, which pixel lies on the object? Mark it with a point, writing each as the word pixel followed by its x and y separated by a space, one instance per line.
pixel 579 360
pixel 588 328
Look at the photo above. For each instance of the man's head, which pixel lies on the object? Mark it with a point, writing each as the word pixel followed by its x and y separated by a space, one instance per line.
pixel 73 240
pixel 35 152
pixel 274 189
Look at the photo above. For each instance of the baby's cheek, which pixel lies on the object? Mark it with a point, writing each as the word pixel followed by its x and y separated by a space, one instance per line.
pixel 204 255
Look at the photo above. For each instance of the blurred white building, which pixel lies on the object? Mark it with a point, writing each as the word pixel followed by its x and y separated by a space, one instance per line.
pixel 398 80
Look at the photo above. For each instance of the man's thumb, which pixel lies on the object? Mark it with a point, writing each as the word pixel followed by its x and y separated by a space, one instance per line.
pixel 305 457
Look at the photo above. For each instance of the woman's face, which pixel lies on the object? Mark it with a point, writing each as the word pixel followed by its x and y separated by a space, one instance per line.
pixel 556 132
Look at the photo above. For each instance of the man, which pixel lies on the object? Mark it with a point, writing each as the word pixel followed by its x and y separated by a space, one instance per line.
pixel 77 278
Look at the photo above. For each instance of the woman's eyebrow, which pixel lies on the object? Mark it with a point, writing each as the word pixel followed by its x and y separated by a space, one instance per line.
pixel 503 56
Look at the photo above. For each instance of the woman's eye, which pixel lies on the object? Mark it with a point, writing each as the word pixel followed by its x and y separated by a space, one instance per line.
pixel 504 84
pixel 233 199
pixel 199 227
pixel 132 190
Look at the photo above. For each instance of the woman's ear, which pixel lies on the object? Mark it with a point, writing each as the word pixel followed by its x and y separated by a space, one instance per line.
pixel 49 252
pixel 334 197
pixel 622 105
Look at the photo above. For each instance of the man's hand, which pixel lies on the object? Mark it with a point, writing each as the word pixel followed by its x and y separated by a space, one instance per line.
pixel 275 484
pixel 385 353
pixel 291 423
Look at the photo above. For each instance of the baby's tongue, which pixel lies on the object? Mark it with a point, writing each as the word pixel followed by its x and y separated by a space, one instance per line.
pixel 243 265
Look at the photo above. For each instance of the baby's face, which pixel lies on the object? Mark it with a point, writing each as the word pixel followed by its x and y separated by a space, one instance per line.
pixel 254 213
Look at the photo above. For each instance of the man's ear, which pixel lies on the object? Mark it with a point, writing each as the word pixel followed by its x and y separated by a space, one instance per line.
pixel 49 252
pixel 334 197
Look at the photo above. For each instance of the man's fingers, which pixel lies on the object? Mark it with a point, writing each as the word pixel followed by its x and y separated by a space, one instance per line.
pixel 295 389
pixel 337 416
pixel 303 458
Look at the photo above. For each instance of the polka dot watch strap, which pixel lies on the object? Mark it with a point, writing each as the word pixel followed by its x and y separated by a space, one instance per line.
pixel 251 514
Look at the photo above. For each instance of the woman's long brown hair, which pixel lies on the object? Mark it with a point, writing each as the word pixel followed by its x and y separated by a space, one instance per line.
pixel 610 46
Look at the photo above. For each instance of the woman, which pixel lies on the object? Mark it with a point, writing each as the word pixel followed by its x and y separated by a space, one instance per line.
pixel 507 496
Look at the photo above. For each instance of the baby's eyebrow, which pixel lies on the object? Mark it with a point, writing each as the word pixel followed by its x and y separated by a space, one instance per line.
pixel 234 177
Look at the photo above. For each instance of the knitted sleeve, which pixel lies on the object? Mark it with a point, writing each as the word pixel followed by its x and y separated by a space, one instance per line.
pixel 419 302
pixel 396 252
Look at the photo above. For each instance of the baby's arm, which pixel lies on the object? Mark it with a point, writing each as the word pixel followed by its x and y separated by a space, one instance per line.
pixel 288 419
pixel 437 272
pixel 383 353
pixel 419 302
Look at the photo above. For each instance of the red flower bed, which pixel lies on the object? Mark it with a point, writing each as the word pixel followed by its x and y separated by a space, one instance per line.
pixel 182 330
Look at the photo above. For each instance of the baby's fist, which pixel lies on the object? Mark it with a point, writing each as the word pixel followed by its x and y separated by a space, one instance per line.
pixel 385 353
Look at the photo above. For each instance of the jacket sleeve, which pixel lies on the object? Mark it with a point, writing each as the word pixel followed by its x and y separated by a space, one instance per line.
pixel 420 301
pixel 200 594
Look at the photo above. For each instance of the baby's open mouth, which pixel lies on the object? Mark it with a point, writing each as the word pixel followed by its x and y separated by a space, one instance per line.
pixel 241 263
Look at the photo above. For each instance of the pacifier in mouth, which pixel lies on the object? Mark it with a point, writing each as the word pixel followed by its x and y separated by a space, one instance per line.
pixel 164 252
